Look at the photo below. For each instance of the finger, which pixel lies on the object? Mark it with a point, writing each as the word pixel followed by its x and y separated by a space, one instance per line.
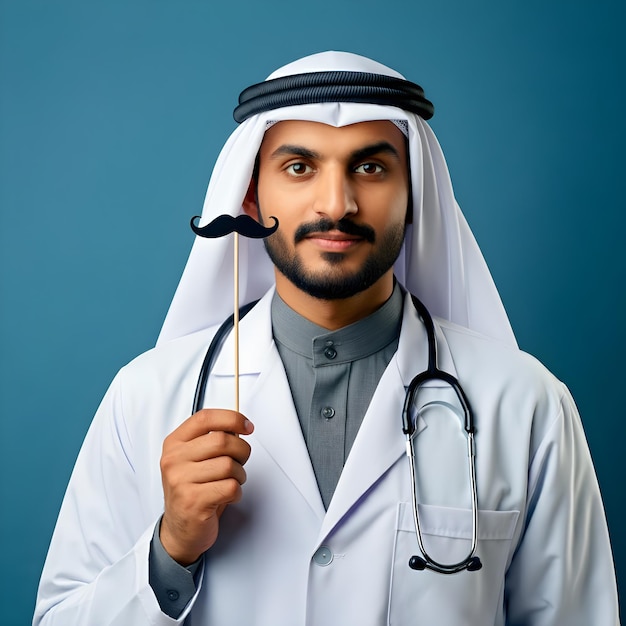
pixel 208 420
pixel 217 469
pixel 200 500
pixel 180 464
pixel 213 495
pixel 217 444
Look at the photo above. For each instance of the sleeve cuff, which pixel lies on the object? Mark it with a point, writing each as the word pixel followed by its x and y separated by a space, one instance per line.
pixel 173 584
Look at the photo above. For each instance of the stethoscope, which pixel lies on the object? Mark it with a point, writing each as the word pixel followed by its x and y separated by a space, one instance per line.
pixel 471 562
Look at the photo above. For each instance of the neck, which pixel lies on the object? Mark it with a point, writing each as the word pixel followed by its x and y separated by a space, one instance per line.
pixel 335 314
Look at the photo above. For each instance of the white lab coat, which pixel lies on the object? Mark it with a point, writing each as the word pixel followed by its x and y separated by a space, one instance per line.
pixel 543 539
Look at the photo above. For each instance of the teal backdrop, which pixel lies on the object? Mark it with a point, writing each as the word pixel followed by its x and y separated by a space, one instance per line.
pixel 112 115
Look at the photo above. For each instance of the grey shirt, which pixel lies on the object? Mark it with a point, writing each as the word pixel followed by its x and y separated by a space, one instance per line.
pixel 332 376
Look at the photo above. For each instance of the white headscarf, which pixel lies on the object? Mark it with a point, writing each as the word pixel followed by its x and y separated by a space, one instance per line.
pixel 440 261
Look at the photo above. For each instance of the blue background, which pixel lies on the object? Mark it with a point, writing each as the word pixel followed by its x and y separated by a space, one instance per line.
pixel 111 117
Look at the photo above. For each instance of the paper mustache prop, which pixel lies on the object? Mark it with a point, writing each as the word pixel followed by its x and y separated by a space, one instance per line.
pixel 248 227
pixel 226 224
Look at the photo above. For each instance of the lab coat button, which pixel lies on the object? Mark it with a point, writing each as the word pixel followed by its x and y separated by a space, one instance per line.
pixel 323 556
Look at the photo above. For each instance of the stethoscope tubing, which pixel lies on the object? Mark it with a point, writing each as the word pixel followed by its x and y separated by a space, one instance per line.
pixel 432 372
pixel 211 354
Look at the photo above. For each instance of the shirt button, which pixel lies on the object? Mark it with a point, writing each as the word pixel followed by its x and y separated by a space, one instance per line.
pixel 172 595
pixel 323 556
pixel 330 353
pixel 328 412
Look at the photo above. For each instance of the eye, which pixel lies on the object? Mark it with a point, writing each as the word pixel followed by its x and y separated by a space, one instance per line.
pixel 298 169
pixel 369 168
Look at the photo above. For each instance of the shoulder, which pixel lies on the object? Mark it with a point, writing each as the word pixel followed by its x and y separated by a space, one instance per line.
pixel 519 405
pixel 173 364
pixel 162 381
pixel 511 379
pixel 478 361
pixel 153 394
pixel 488 355
pixel 170 356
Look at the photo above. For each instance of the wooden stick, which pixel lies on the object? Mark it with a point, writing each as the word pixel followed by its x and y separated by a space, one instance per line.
pixel 248 227
pixel 236 317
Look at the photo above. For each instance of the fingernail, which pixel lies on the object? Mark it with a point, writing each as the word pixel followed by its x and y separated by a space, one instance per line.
pixel 248 425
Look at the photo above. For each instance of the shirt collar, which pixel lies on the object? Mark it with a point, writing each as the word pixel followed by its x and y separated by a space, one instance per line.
pixel 350 343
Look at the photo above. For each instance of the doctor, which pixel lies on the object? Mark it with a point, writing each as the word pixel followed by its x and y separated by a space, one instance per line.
pixel 297 508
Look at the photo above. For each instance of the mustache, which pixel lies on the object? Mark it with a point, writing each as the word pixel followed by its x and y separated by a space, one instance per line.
pixel 225 224
pixel 325 225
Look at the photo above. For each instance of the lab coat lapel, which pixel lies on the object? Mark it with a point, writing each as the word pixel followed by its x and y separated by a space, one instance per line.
pixel 380 442
pixel 266 398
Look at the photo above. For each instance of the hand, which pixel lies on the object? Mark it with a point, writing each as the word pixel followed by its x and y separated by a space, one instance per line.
pixel 202 472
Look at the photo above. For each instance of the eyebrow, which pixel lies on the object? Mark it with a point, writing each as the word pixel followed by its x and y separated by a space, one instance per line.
pixel 382 147
pixel 294 150
pixel 357 155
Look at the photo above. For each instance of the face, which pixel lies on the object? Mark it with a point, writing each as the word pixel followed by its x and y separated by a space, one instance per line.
pixel 341 197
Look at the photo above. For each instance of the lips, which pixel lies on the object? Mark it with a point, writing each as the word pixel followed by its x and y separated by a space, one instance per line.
pixel 333 236
pixel 334 240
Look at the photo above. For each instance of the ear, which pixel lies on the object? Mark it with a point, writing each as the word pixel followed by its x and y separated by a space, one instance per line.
pixel 249 204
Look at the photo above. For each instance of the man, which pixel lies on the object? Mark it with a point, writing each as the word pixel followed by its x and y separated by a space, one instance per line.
pixel 319 528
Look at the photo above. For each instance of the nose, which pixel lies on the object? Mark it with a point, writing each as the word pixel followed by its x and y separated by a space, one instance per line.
pixel 335 196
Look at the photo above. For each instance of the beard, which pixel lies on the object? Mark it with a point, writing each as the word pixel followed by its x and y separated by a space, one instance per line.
pixel 334 282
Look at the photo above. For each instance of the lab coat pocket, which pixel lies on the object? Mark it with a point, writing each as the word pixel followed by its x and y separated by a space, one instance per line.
pixel 425 597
